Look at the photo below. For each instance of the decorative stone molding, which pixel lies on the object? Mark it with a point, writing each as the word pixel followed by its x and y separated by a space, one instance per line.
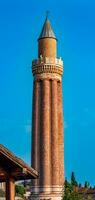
pixel 48 189
pixel 48 76
pixel 47 65
pixel 46 197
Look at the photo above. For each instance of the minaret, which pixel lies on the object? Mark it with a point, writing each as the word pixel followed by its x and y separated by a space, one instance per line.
pixel 47 123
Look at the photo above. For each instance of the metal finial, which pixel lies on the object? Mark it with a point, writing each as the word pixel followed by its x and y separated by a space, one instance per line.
pixel 47 31
pixel 47 14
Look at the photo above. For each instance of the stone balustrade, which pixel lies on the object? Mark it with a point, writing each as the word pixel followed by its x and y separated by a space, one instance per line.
pixel 47 65
pixel 56 61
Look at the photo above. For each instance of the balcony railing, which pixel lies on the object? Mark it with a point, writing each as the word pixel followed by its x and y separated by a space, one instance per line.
pixel 48 61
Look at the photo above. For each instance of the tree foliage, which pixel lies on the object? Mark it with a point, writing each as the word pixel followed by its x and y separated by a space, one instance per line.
pixel 2 193
pixel 86 185
pixel 73 179
pixel 71 190
pixel 19 190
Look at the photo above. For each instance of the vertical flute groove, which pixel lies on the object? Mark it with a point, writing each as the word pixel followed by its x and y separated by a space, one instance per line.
pixel 36 128
pixel 54 135
pixel 45 176
pixel 60 134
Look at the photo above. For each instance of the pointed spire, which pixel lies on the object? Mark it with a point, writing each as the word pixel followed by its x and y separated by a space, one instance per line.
pixel 47 31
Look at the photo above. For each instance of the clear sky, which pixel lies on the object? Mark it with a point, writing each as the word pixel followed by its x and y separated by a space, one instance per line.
pixel 74 25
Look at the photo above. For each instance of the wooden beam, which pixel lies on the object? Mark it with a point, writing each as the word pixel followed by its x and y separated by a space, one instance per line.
pixel 10 189
pixel 2 171
pixel 3 174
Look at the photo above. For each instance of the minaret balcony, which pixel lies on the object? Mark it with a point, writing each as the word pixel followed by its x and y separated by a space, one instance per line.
pixel 47 65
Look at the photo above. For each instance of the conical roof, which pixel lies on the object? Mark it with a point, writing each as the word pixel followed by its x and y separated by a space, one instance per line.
pixel 47 31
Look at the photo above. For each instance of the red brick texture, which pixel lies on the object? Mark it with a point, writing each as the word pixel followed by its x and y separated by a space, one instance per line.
pixel 47 133
pixel 47 47
pixel 47 127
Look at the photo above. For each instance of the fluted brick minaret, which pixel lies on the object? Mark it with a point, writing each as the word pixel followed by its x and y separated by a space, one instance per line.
pixel 47 131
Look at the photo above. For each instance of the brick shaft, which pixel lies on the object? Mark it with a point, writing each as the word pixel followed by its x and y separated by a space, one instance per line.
pixel 47 140
pixel 47 47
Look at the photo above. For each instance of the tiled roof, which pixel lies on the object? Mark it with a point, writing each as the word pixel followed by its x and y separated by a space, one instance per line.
pixel 7 154
pixel 47 31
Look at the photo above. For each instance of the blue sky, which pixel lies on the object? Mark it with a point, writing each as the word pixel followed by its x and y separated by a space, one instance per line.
pixel 74 24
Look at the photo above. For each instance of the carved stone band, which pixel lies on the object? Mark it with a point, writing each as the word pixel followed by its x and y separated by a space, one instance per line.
pixel 47 69
pixel 47 189
pixel 48 76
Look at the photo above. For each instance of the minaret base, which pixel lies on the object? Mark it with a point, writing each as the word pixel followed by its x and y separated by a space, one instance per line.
pixel 47 194
pixel 46 197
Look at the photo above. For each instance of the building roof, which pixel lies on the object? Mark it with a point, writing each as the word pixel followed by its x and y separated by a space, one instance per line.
pixel 47 31
pixel 87 190
pixel 14 166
